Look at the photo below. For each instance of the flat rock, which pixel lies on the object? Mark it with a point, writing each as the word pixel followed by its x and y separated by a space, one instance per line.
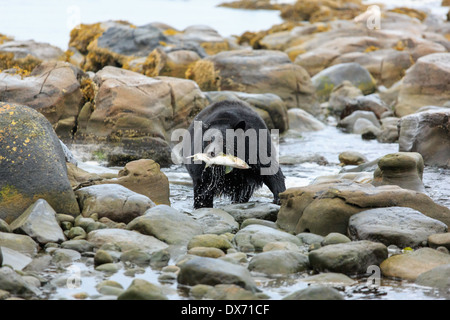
pixel 409 266
pixel 403 227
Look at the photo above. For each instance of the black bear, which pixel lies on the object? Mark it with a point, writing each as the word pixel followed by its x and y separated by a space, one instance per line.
pixel 232 128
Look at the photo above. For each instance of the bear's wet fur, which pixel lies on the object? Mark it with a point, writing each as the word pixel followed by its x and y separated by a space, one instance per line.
pixel 239 184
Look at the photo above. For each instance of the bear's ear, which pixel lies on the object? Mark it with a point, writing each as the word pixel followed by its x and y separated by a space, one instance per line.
pixel 240 125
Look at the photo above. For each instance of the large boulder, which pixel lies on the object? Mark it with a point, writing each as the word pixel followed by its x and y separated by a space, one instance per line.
pixel 53 89
pixel 257 71
pixel 426 83
pixel 327 207
pixel 427 133
pixel 134 115
pixel 32 164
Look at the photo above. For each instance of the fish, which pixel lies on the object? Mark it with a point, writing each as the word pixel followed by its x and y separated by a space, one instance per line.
pixel 227 160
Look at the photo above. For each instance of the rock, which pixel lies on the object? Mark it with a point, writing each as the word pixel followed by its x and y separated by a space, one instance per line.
pixel 243 211
pixel 409 266
pixel 14 259
pixel 269 106
pixel 112 201
pixel 200 270
pixel 126 240
pixel 257 71
pixel 4 227
pixel 278 262
pixel 438 277
pixel 102 257
pixel 228 292
pixel 302 121
pixel 134 115
pixel 403 227
pixel 39 222
pixel 141 289
pixel 371 102
pixel 266 223
pixel 280 245
pixel 348 258
pixel 210 240
pixel 329 279
pixel 389 130
pixel 32 164
pixel 79 245
pixel 326 207
pixel 145 177
pixel 427 133
pixel 404 169
pixel 53 89
pixel 39 50
pixel 20 243
pixel 334 238
pixel 418 89
pixel 352 158
pixel 326 80
pixel 439 240
pixel 341 95
pixel 348 124
pixel 208 252
pixel 316 292
pixel 15 284
pixel 167 224
pixel 215 220
pixel 65 257
pixel 255 237
pixel 136 256
pixel 309 238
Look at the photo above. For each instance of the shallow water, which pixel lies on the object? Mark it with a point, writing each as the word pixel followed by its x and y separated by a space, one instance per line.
pixel 328 143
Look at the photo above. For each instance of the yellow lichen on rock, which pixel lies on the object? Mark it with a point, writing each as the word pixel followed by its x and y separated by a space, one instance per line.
pixel 205 75
pixel 413 13
pixel 83 35
pixel 23 66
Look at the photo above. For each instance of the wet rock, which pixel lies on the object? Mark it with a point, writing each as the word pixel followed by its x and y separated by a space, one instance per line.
pixel 32 164
pixel 15 284
pixel 255 237
pixel 330 279
pixel 65 257
pixel 341 95
pixel 278 262
pixel 21 243
pixel 438 277
pixel 126 240
pixel 141 289
pixel 439 240
pixel 215 220
pixel 257 71
pixel 409 266
pixel 112 201
pixel 167 224
pixel 348 258
pixel 302 121
pixel 403 227
pixel 389 130
pixel 200 270
pixel 326 207
pixel 242 211
pixel 315 292
pixel 371 102
pixel 404 169
pixel 302 158
pixel 349 123
pixel 352 158
pixel 228 292
pixel 326 80
pixel 420 90
pixel 39 222
pixel 141 129
pixel 427 133
pixel 271 108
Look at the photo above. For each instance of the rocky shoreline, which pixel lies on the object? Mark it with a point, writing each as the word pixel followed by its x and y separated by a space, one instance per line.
pixel 119 92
